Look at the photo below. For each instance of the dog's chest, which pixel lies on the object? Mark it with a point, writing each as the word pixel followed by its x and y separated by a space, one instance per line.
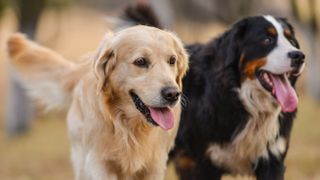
pixel 139 155
pixel 240 155
pixel 256 138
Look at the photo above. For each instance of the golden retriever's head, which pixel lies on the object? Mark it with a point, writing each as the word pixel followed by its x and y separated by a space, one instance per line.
pixel 143 66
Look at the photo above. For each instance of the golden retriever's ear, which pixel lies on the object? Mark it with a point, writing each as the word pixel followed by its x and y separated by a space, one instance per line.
pixel 183 59
pixel 104 62
pixel 183 66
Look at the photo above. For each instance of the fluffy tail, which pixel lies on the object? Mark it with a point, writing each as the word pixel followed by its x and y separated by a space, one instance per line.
pixel 47 76
pixel 143 14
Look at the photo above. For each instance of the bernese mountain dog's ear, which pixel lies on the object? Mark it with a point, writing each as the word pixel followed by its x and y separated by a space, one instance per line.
pixel 235 38
pixel 239 29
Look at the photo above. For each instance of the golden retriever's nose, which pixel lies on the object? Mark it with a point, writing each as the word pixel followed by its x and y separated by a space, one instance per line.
pixel 171 94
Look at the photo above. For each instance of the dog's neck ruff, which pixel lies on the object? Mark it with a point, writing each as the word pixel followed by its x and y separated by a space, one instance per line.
pixel 260 133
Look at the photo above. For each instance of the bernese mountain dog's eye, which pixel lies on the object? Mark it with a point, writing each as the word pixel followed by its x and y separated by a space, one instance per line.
pixel 172 60
pixel 141 62
pixel 268 40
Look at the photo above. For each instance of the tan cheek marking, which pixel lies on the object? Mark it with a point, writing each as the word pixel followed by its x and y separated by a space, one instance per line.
pixel 272 31
pixel 252 66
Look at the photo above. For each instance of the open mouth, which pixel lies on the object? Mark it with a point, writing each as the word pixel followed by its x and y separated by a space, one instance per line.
pixel 157 116
pixel 280 88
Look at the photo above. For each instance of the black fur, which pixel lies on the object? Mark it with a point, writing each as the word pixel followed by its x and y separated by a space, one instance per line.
pixel 141 14
pixel 215 114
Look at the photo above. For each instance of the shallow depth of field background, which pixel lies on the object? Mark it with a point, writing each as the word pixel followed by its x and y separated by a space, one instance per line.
pixel 43 152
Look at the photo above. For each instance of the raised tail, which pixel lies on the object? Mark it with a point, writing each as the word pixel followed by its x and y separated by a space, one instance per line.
pixel 47 76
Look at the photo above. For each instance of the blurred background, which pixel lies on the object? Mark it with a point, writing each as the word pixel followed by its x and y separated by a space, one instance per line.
pixel 34 145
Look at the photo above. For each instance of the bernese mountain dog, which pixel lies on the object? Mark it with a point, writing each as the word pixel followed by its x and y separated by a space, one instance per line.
pixel 241 100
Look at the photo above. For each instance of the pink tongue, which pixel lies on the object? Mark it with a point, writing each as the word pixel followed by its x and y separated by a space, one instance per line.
pixel 164 117
pixel 285 93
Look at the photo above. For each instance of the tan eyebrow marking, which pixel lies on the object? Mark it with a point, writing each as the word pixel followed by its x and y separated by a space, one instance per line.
pixel 272 31
pixel 287 33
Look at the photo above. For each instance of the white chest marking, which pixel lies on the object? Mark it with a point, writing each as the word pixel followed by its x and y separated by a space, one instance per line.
pixel 252 142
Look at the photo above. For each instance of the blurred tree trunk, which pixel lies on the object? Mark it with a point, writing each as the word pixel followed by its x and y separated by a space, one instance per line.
pixel 2 7
pixel 29 14
pixel 310 31
pixel 20 109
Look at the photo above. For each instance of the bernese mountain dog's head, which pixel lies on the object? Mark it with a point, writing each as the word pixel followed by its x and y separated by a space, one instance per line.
pixel 267 55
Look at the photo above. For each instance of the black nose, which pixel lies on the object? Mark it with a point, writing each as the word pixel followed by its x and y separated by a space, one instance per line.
pixel 171 94
pixel 297 58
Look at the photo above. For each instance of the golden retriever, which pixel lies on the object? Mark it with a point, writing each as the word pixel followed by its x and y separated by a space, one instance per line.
pixel 123 103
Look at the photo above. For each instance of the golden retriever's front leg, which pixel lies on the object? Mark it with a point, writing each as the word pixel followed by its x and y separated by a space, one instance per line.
pixel 97 169
pixel 156 172
pixel 77 158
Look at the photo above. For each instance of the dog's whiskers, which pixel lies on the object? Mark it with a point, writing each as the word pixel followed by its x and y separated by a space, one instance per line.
pixel 184 100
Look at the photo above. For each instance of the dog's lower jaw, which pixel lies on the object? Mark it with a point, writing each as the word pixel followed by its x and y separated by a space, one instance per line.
pixel 141 107
pixel 161 116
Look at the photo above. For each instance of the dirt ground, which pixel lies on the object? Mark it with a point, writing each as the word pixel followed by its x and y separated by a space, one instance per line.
pixel 43 153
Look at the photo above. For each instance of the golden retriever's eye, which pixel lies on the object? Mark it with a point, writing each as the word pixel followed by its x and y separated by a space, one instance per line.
pixel 141 62
pixel 172 60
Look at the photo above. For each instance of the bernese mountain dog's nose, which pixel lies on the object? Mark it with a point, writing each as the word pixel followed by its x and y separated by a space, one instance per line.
pixel 297 58
pixel 171 94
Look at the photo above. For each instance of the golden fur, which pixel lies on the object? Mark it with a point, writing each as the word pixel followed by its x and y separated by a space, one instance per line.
pixel 110 138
